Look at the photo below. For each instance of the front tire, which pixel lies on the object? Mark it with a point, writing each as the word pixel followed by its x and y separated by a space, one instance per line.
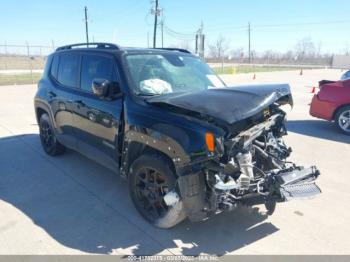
pixel 342 120
pixel 48 139
pixel 150 178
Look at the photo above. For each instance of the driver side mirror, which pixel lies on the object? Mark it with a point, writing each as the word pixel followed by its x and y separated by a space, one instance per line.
pixel 104 88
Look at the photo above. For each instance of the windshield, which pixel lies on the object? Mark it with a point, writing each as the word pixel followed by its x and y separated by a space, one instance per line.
pixel 157 74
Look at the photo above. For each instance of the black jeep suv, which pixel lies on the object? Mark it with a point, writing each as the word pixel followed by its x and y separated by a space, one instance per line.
pixel 188 145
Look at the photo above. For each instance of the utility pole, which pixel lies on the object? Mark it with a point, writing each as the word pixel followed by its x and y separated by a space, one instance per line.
pixel 5 48
pixel 162 27
pixel 86 26
pixel 156 13
pixel 53 45
pixel 250 59
pixel 147 39
pixel 200 42
pixel 5 60
pixel 202 46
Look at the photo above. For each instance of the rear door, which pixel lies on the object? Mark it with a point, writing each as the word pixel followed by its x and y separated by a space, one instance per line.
pixel 96 121
pixel 64 74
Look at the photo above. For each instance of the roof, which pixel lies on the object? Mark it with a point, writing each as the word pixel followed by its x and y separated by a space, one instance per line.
pixel 114 47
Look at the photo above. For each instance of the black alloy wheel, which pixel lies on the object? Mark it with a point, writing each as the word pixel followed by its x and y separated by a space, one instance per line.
pixel 47 137
pixel 150 179
pixel 150 188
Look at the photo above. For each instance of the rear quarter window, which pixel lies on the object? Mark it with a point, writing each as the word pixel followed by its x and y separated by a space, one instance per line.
pixel 54 67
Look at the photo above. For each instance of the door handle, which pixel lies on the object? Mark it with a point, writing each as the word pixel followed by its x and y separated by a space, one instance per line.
pixel 92 116
pixel 51 94
pixel 79 103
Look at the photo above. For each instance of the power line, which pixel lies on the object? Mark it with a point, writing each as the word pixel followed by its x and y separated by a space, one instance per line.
pixel 178 36
pixel 178 33
pixel 307 23
pixel 218 27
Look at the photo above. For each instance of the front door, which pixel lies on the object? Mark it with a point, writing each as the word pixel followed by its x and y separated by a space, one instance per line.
pixel 96 121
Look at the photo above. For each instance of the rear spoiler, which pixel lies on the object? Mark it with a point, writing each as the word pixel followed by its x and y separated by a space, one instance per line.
pixel 323 82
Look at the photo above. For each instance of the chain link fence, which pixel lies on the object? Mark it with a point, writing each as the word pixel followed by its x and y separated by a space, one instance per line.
pixel 22 64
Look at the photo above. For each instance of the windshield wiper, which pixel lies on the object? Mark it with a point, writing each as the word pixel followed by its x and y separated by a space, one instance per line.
pixel 146 94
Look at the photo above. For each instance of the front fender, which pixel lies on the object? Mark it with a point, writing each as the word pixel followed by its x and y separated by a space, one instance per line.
pixel 159 142
pixel 136 139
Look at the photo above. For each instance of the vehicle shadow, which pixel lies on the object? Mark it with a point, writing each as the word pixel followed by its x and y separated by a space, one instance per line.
pixel 86 207
pixel 317 128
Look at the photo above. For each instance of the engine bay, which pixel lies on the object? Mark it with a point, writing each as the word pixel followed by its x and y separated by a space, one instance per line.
pixel 254 169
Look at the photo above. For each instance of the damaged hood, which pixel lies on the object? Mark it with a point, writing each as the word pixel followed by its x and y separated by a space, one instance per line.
pixel 229 104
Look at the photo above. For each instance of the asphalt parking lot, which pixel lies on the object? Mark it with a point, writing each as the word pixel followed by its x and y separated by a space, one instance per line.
pixel 70 205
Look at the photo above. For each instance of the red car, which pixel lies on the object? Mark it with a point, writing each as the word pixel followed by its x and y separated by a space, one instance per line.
pixel 332 103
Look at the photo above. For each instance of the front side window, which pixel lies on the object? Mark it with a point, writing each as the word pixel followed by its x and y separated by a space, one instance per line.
pixel 68 70
pixel 94 67
pixel 156 74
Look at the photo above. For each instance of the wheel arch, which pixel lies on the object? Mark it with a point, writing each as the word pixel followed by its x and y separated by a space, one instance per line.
pixel 336 111
pixel 137 143
pixel 42 107
pixel 39 112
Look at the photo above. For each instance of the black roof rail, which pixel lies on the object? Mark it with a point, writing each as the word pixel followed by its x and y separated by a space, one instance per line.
pixel 88 45
pixel 174 49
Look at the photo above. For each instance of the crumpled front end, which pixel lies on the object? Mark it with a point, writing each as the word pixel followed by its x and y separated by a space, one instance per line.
pixel 252 169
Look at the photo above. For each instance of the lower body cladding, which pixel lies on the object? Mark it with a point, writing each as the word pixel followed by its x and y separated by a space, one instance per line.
pixel 254 171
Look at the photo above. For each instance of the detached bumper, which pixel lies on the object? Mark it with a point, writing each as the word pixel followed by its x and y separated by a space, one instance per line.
pixel 299 183
pixel 286 185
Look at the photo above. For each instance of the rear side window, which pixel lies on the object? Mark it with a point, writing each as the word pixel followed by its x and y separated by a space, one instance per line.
pixel 94 66
pixel 68 70
pixel 54 67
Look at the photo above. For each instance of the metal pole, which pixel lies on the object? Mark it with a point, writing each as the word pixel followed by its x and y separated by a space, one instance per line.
pixel 249 43
pixel 5 48
pixel 147 39
pixel 162 33
pixel 30 63
pixel 222 64
pixel 86 26
pixel 155 25
pixel 53 45
pixel 203 47
pixel 5 54
pixel 202 42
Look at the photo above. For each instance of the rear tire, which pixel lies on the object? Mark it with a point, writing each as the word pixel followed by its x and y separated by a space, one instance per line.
pixel 342 120
pixel 150 178
pixel 48 139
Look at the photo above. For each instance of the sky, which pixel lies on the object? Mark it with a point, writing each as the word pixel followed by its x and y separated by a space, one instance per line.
pixel 275 25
